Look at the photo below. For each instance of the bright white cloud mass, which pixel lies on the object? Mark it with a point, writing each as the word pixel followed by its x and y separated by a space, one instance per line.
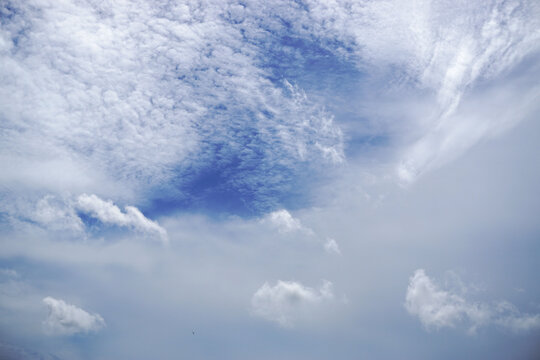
pixel 160 160
pixel 108 213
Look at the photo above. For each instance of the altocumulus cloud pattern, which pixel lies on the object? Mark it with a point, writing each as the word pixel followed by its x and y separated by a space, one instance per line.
pixel 246 179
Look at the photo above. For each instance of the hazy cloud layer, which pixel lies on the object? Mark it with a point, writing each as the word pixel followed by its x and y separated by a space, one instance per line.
pixel 67 319
pixel 437 308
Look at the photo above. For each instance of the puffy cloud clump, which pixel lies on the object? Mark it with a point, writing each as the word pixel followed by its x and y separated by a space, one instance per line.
pixel 108 213
pixel 67 319
pixel 288 301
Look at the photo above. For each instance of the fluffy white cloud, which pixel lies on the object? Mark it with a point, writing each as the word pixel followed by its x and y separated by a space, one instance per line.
pixel 284 221
pixel 108 213
pixel 437 308
pixel 67 319
pixel 288 301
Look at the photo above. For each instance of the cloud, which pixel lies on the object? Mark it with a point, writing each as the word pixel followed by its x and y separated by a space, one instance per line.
pixel 57 215
pixel 332 247
pixel 284 221
pixel 67 319
pixel 437 308
pixel 189 96
pixel 289 301
pixel 108 213
pixel 442 48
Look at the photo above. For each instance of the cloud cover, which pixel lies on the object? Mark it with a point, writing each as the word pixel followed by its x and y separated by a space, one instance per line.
pixel 153 97
pixel 229 107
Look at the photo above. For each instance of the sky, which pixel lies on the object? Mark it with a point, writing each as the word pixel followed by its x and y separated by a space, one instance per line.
pixel 300 179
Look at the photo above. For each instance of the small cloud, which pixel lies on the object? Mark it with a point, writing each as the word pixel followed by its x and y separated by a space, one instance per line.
pixel 67 319
pixel 332 247
pixel 509 317
pixel 108 213
pixel 285 222
pixel 437 308
pixel 287 301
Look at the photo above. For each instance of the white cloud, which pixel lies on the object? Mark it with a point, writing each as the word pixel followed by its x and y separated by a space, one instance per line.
pixel 145 98
pixel 67 319
pixel 57 215
pixel 437 308
pixel 331 246
pixel 288 301
pixel 108 213
pixel 284 221
pixel 444 47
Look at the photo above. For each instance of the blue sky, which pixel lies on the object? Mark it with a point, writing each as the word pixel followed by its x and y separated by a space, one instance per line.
pixel 292 180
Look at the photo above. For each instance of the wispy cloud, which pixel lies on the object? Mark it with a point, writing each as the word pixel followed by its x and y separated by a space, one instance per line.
pixel 442 48
pixel 437 308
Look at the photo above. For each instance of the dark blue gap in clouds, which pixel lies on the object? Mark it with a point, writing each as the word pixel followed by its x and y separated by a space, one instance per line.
pixel 242 172
pixel 316 67
pixel 221 188
pixel 335 81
